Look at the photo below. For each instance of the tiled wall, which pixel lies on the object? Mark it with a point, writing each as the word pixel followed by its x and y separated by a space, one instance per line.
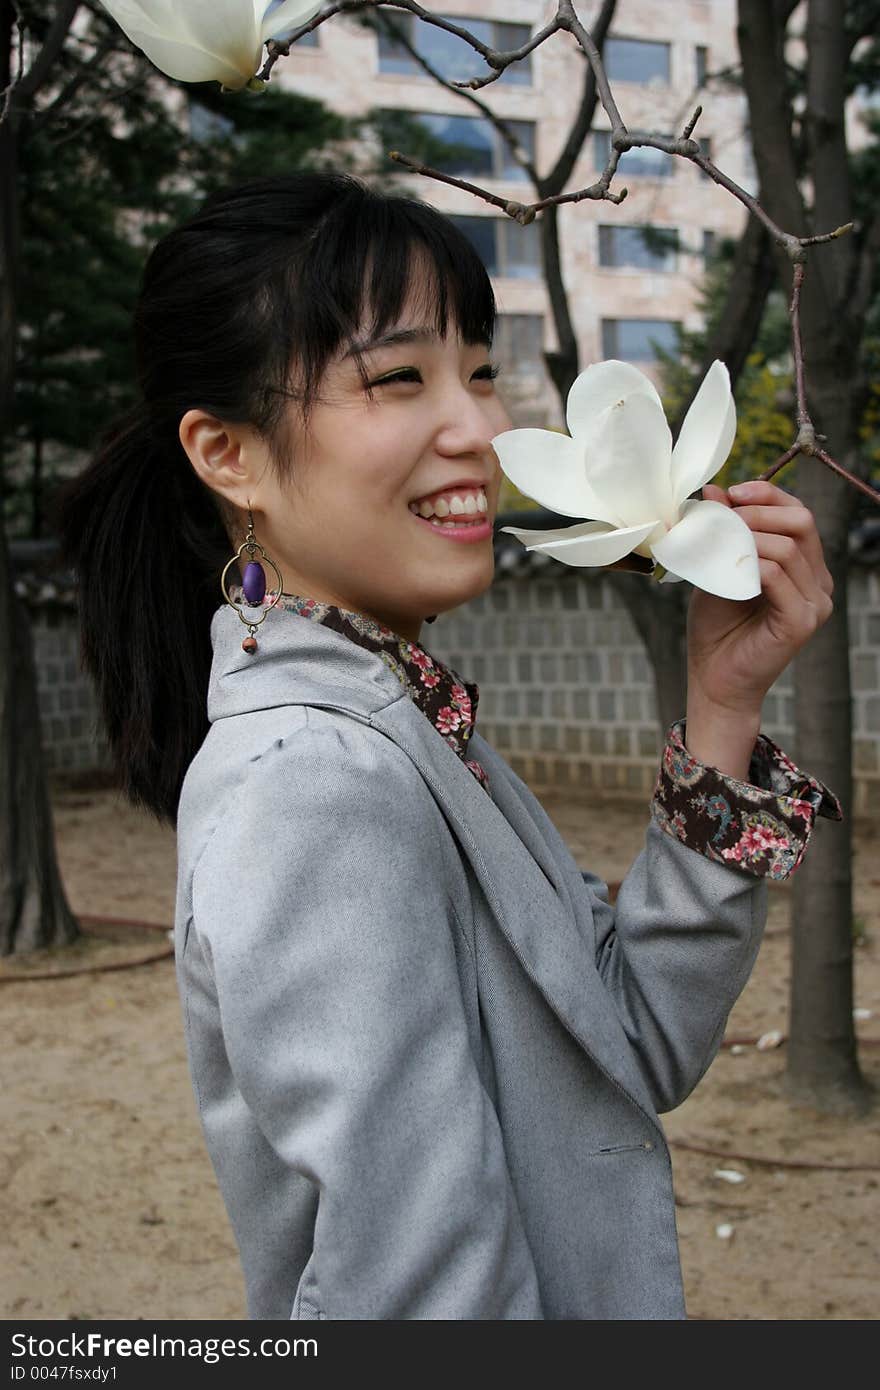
pixel 567 695
pixel 566 692
pixel 72 738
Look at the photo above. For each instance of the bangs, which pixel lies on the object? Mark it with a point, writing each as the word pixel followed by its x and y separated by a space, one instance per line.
pixel 368 254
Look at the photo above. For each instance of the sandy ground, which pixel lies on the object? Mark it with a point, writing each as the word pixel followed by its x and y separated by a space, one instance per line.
pixel 108 1203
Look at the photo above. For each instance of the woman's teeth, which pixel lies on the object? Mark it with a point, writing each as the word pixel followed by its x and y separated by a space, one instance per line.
pixel 472 506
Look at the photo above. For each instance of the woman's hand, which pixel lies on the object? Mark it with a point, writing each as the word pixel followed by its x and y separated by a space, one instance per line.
pixel 738 648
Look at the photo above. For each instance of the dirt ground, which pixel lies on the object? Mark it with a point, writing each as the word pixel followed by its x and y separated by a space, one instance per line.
pixel 108 1203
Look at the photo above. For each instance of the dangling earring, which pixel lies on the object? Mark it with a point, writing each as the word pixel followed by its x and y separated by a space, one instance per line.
pixel 253 584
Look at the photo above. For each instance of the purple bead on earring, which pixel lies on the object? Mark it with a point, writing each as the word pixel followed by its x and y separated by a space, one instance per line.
pixel 254 582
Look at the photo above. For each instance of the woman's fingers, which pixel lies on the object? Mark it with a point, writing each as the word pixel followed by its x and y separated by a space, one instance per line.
pixel 788 555
pixel 796 617
pixel 774 512
pixel 783 555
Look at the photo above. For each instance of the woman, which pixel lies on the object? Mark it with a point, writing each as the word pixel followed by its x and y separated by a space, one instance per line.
pixel 428 1054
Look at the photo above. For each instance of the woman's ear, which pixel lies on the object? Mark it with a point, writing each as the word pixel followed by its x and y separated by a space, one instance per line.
pixel 219 453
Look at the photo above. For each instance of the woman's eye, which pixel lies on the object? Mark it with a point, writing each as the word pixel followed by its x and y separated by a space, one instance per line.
pixel 407 374
pixel 486 373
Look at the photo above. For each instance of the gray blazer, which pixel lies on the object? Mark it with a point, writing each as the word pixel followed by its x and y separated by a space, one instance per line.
pixel 428 1055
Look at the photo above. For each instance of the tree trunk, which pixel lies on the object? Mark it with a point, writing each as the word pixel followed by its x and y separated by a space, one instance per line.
pixel 34 911
pixel 562 362
pixel 33 907
pixel 37 486
pixel 659 613
pixel 822 1067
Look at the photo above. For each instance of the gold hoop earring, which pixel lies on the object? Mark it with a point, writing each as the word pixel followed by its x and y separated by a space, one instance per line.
pixel 253 584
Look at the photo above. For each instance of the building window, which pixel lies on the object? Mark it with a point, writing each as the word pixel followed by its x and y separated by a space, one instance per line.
pixel 309 40
pixel 645 248
pixel 636 60
pixel 702 59
pixel 709 245
pixel 518 345
pixel 640 162
pixel 504 246
pixel 449 55
pixel 636 340
pixel 466 145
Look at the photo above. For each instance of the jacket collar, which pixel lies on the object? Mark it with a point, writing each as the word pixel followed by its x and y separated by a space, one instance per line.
pixel 447 699
pixel 299 662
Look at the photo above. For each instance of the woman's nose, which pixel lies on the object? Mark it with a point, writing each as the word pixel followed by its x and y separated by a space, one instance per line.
pixel 471 423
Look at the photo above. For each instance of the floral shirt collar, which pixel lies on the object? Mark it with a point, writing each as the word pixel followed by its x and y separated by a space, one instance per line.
pixel 446 698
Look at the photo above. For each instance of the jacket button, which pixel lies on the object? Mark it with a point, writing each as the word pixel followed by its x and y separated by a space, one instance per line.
pixel 648 1144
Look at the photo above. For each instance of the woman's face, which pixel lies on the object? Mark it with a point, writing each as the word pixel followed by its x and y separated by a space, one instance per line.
pixel 343 531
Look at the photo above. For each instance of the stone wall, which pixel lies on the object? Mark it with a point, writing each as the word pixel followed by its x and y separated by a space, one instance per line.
pixel 566 692
pixel 73 739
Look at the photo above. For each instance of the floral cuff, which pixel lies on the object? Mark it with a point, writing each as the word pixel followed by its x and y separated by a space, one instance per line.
pixel 762 825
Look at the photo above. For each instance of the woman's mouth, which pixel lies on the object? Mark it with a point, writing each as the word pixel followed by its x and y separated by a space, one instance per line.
pixel 462 529
pixel 467 525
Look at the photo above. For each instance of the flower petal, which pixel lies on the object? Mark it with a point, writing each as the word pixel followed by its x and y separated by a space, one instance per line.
pixel 714 548
pixel 549 467
pixel 288 16
pixel 188 63
pixel 628 461
pixel 532 538
pixel 579 546
pixel 670 578
pixel 193 42
pixel 600 385
pixel 160 20
pixel 707 434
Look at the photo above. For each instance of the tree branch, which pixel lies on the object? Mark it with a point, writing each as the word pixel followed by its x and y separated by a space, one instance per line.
pixel 26 87
pixel 582 124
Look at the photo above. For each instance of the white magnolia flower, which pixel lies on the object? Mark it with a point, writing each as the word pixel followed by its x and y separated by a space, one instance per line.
pixel 208 40
pixel 617 464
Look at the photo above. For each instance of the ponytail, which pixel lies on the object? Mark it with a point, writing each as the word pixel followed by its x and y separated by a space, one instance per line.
pixel 147 544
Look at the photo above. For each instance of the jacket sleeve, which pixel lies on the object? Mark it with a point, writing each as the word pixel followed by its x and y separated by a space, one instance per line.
pixel 677 947
pixel 330 935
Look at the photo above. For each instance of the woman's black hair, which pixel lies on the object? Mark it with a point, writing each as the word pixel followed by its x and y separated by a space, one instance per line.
pixel 241 307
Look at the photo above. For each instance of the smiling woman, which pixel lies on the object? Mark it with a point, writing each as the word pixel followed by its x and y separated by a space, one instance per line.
pixel 428 1054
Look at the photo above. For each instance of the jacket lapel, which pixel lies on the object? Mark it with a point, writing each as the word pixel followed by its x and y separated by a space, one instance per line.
pixel 528 894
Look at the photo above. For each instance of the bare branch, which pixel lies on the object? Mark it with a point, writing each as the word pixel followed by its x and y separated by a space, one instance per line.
pixel 689 128
pixel 518 211
pixel 496 60
pixel 807 441
pixel 560 173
